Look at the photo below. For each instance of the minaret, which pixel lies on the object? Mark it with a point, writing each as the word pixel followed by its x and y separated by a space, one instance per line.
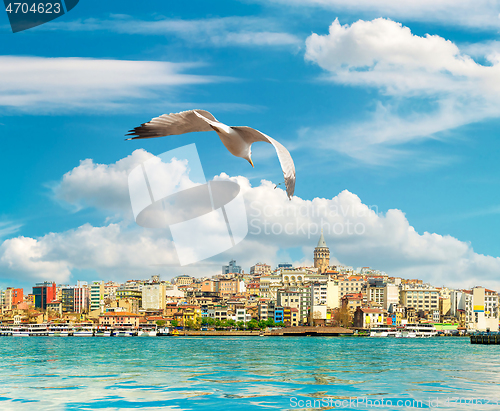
pixel 321 255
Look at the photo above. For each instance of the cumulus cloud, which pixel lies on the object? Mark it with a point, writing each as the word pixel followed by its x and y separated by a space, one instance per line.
pixel 103 186
pixel 358 234
pixel 112 251
pixel 384 53
pixel 35 84
pixel 217 32
pixel 406 68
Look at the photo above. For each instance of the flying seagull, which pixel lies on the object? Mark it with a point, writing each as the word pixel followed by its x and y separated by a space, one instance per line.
pixel 238 140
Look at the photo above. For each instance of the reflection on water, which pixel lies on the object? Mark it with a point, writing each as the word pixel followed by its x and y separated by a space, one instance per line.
pixel 246 373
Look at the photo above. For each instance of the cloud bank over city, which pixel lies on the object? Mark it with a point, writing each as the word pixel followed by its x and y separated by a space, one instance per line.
pixel 357 234
pixel 358 98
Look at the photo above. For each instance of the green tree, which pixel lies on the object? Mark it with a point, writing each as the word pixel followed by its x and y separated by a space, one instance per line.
pixel 175 323
pixel 240 325
pixel 161 323
pixel 262 324
pixel 190 324
pixel 270 322
pixel 252 324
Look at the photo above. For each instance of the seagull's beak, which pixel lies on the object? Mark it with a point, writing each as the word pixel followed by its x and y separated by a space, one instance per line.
pixel 251 162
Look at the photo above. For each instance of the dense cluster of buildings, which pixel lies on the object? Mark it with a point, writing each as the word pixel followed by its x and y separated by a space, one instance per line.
pixel 321 295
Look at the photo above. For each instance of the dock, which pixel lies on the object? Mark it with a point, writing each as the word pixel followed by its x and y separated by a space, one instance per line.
pixel 486 338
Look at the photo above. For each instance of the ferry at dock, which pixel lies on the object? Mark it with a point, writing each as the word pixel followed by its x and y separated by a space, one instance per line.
pixel 84 330
pixel 124 332
pixel 147 331
pixel 60 330
pixel 419 331
pixel 406 331
pixel 383 331
pixel 30 330
pixel 5 330
pixel 103 332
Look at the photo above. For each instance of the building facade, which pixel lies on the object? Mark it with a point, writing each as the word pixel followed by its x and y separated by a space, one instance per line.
pixel 231 268
pixel 96 295
pixel 421 299
pixel 154 297
pixel 12 297
pixel 44 293
pixel 75 299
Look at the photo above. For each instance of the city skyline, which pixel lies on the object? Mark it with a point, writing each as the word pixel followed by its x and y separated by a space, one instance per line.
pixel 397 135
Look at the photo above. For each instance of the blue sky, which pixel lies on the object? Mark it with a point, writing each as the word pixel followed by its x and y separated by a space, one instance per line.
pixel 402 120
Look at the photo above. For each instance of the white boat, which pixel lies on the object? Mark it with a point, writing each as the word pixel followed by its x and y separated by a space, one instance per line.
pixel 103 333
pixel 123 333
pixel 147 331
pixel 420 330
pixel 383 331
pixel 83 330
pixel 163 331
pixel 150 333
pixel 5 330
pixel 60 330
pixel 20 331
pixel 30 330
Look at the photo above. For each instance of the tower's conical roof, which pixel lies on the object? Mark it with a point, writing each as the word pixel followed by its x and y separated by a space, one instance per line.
pixel 321 242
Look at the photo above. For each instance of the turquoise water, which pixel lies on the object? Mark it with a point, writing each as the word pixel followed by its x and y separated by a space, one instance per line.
pixel 247 373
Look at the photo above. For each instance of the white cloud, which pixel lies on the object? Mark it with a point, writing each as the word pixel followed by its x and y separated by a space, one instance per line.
pixel 478 14
pixel 112 251
pixel 385 55
pixel 8 228
pixel 101 186
pixel 217 32
pixel 35 84
pixel 356 233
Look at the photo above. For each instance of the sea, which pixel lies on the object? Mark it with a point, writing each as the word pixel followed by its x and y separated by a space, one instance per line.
pixel 247 373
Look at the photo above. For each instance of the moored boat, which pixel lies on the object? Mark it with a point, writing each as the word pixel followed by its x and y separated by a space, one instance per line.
pixel 124 332
pixel 383 331
pixel 83 330
pixel 100 332
pixel 5 330
pixel 59 330
pixel 423 330
pixel 30 330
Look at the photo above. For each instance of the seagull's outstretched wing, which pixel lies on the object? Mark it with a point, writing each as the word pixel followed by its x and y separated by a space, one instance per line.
pixel 251 135
pixel 172 124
